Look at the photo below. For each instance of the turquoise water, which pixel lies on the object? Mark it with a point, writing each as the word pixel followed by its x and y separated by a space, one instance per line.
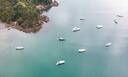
pixel 42 49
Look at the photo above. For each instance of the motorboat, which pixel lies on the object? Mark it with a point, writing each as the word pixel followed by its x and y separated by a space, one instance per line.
pixel 82 50
pixel 61 39
pixel 61 62
pixel 76 29
pixel 99 26
pixel 19 48
pixel 108 44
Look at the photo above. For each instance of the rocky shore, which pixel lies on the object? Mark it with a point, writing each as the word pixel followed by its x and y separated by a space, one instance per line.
pixel 33 29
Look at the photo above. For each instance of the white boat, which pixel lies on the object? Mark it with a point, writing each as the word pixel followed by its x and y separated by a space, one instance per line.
pixel 20 48
pixel 108 44
pixel 82 50
pixel 116 21
pixel 76 29
pixel 99 26
pixel 61 39
pixel 61 62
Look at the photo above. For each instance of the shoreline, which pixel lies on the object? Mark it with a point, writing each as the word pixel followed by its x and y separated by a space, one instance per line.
pixel 33 29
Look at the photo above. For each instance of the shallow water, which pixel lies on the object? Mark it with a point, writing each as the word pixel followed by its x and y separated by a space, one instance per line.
pixel 42 49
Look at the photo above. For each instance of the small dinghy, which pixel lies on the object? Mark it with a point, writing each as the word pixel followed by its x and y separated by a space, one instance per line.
pixel 61 39
pixel 119 16
pixel 108 44
pixel 82 50
pixel 99 26
pixel 20 48
pixel 82 19
pixel 61 62
pixel 76 29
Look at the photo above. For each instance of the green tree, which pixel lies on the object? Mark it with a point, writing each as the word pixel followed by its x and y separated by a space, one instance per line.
pixel 6 10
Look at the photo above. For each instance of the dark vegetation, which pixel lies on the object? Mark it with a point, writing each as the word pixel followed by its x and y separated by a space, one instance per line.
pixel 24 13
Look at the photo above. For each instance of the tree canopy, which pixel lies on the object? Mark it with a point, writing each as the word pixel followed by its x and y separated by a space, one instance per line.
pixel 24 12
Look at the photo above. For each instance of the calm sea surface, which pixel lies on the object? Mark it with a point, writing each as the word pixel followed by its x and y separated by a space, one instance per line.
pixel 42 49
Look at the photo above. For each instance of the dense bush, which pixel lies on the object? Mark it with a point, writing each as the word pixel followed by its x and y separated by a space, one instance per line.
pixel 20 11
pixel 6 10
pixel 25 13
